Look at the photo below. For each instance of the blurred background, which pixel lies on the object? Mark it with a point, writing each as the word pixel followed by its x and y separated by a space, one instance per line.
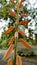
pixel 29 7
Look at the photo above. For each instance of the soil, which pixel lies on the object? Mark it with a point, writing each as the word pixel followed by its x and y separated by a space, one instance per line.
pixel 32 60
pixel 29 60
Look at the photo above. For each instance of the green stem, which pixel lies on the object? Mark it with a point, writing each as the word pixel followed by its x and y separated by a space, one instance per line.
pixel 15 52
pixel 16 40
pixel 17 1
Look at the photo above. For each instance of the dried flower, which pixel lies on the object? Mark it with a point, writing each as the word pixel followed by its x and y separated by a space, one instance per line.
pixel 16 34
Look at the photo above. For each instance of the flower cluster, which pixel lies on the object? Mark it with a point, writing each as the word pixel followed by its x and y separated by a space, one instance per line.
pixel 16 34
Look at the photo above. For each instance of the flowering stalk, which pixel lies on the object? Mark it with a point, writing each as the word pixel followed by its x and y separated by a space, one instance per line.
pixel 17 59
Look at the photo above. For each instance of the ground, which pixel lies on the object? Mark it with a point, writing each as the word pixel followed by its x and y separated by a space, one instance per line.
pixel 25 60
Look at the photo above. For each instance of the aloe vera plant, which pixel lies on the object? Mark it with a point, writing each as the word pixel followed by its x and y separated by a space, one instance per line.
pixel 17 58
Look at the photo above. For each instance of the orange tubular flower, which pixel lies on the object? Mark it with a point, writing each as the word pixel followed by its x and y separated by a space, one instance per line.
pixel 9 30
pixel 12 2
pixel 22 0
pixel 24 22
pixel 21 3
pixel 11 12
pixel 9 62
pixel 25 43
pixel 22 33
pixel 11 41
pixel 7 54
pixel 24 15
pixel 19 61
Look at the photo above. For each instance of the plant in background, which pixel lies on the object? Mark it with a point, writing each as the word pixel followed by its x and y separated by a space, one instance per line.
pixel 17 59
